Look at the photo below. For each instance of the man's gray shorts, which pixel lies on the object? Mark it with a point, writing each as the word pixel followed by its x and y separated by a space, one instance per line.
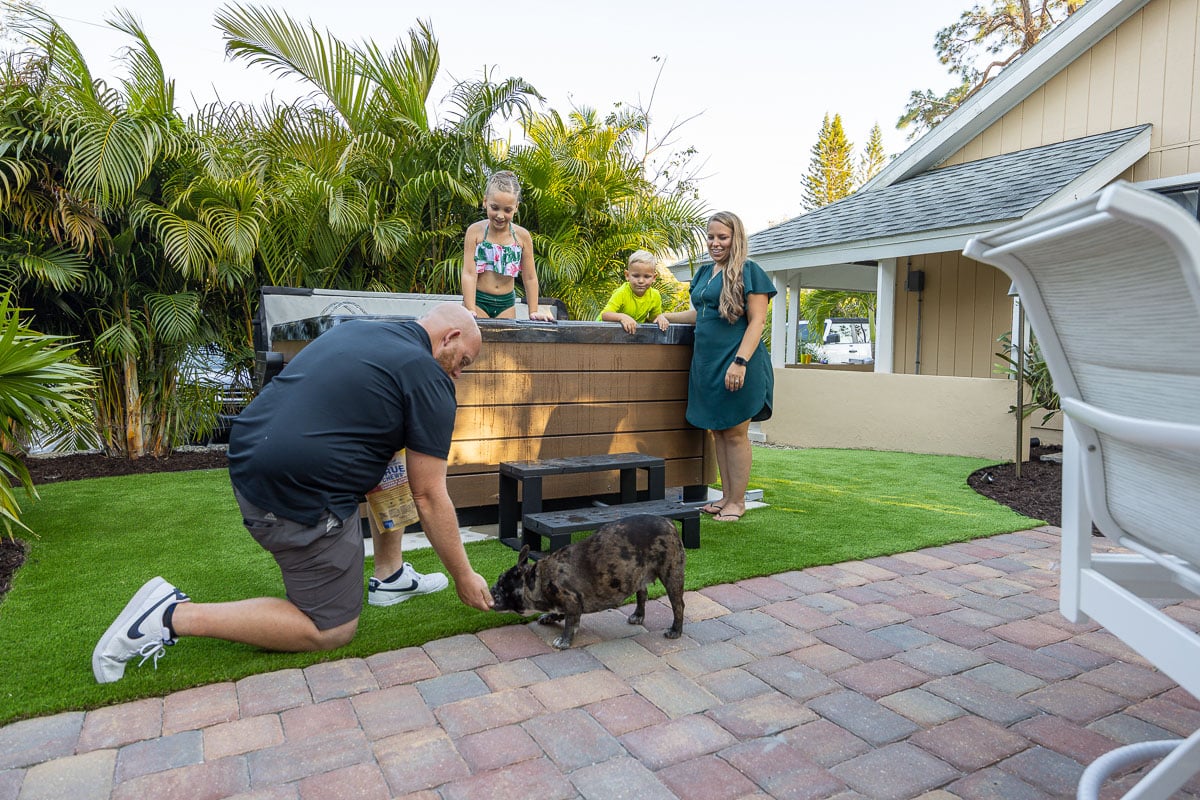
pixel 322 565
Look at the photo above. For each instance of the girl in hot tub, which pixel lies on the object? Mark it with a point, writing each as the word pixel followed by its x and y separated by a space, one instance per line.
pixel 495 251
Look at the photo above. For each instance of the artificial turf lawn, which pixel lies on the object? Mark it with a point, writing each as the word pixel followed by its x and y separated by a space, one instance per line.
pixel 99 540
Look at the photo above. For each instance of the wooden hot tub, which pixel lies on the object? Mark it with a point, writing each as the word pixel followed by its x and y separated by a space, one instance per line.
pixel 552 390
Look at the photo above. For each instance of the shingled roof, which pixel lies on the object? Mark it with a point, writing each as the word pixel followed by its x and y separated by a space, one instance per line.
pixel 990 190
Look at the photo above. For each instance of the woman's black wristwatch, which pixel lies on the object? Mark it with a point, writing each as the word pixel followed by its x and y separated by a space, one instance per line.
pixel 741 362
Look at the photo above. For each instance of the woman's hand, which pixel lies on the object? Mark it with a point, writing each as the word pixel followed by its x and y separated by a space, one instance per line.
pixel 735 377
pixel 541 316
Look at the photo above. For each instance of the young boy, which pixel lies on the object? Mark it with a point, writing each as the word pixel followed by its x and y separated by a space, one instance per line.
pixel 636 301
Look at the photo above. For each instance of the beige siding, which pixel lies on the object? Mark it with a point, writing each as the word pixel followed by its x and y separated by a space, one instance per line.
pixel 964 310
pixel 1146 71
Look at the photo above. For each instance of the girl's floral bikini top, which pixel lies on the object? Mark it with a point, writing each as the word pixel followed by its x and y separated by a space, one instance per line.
pixel 502 258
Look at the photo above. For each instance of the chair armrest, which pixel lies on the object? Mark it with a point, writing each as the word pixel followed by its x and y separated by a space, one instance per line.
pixel 1151 432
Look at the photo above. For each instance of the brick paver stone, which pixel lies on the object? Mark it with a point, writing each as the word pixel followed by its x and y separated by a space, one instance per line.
pixel 561 663
pixel 804 582
pixel 781 769
pixel 995 784
pixel 825 743
pixel 1127 680
pixel 536 780
pixel 407 665
pixel 242 736
pixel 32 741
pixel 197 708
pixel 1065 737
pixel 676 694
pixel 906 637
pixel 896 772
pixel 579 690
pixel 1045 769
pixel 358 781
pixel 922 707
pixel 981 699
pixel 497 747
pixel 766 643
pixel 761 716
pixel 1076 701
pixel 626 657
pixel 658 746
pixel 863 717
pixel 511 674
pixel 343 678
pixel 732 596
pixel 879 678
pixel 488 711
pixel 706 778
pixel 512 642
pixel 1005 679
pixel 791 677
pixel 856 642
pixel 419 760
pixel 620 715
pixel 113 726
pixel 397 709
pixel 970 743
pixel 306 722
pixel 271 692
pixel 771 589
pixel 699 607
pixel 1178 719
pixel 800 615
pixel 941 659
pixel 294 760
pixel 731 685
pixel 222 778
pixel 944 627
pixel 619 777
pixel 1035 662
pixel 573 739
pixel 461 652
pixel 157 755
pixel 709 658
pixel 451 687
pixel 1031 633
pixel 825 658
pixel 83 777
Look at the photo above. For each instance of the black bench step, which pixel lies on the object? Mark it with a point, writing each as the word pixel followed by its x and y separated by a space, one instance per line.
pixel 559 525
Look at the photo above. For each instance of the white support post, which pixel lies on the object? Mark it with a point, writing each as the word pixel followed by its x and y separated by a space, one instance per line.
pixel 885 316
pixel 779 337
pixel 1076 525
pixel 793 315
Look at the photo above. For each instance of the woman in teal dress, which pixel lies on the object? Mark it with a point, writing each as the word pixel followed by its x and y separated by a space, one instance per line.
pixel 731 382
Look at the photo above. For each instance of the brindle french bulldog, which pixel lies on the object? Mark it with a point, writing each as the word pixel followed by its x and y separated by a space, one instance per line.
pixel 620 559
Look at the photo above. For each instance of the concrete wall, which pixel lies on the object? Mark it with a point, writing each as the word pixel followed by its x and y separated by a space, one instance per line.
pixel 878 411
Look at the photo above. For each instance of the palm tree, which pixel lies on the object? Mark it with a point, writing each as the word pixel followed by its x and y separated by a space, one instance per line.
pixel 589 204
pixel 111 225
pixel 42 388
pixel 368 192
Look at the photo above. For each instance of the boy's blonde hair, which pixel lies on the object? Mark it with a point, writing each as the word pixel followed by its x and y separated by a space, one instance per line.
pixel 641 257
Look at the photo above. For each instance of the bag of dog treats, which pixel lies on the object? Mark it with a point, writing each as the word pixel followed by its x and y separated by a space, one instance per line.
pixel 391 502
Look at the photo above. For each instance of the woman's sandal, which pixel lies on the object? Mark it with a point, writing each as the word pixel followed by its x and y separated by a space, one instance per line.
pixel 730 517
pixel 712 508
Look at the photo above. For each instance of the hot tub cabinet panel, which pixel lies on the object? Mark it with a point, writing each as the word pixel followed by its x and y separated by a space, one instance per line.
pixel 570 388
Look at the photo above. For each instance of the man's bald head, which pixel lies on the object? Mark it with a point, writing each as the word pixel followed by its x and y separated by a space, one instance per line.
pixel 454 335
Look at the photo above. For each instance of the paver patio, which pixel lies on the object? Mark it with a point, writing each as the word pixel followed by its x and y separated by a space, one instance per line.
pixel 946 673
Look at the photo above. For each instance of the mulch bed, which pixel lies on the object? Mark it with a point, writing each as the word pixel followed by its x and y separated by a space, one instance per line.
pixel 1037 493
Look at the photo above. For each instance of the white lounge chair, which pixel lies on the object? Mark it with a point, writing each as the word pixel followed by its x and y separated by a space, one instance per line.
pixel 1091 276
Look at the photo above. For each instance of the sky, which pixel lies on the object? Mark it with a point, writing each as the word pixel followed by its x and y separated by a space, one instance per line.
pixel 749 83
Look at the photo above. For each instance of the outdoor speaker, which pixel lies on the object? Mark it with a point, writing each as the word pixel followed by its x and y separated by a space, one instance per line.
pixel 915 280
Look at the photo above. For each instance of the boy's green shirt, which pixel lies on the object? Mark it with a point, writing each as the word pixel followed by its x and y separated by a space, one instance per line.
pixel 643 309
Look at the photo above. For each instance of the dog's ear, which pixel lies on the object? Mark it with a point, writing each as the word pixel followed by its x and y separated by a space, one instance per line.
pixel 521 559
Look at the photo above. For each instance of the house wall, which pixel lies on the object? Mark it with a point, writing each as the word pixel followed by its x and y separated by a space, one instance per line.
pixel 1146 70
pixel 920 414
pixel 962 312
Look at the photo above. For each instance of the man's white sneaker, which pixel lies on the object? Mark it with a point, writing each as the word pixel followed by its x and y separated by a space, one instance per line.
pixel 405 583
pixel 139 630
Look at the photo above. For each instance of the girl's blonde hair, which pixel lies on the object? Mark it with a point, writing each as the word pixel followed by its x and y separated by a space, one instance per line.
pixel 504 181
pixel 733 298
pixel 641 257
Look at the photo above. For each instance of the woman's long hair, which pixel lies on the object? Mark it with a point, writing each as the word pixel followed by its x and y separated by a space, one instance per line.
pixel 733 297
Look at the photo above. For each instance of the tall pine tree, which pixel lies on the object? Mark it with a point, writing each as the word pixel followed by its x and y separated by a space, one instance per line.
pixel 831 169
pixel 873 157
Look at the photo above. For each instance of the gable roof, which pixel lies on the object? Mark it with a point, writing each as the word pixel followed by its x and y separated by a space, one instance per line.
pixel 1052 54
pixel 977 193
